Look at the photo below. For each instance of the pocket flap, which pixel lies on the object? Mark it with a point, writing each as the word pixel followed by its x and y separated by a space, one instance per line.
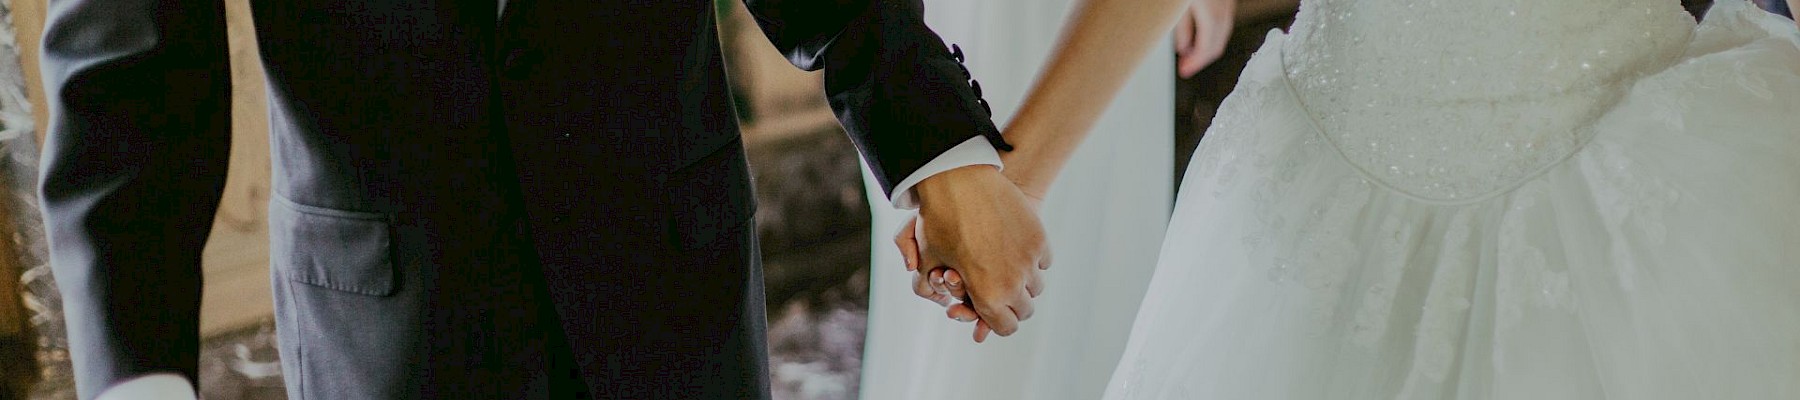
pixel 334 249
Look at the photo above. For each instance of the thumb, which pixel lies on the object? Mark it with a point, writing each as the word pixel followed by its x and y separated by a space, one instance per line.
pixel 908 242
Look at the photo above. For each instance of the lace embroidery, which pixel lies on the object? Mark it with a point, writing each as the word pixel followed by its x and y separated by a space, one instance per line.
pixel 1371 320
pixel 1526 278
pixel 1632 205
pixel 1221 154
pixel 1446 306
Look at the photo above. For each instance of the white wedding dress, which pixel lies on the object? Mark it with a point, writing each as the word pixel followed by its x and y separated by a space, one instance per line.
pixel 1490 199
pixel 1105 218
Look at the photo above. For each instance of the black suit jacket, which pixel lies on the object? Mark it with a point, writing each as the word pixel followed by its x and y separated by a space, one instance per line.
pixel 407 134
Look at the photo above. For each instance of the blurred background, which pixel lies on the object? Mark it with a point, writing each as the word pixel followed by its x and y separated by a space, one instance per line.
pixel 813 220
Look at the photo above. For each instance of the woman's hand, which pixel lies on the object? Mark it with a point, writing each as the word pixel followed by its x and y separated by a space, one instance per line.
pixel 976 222
pixel 1094 57
pixel 944 285
pixel 1201 34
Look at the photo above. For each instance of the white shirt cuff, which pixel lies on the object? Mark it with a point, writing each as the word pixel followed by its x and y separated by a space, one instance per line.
pixel 975 151
pixel 158 386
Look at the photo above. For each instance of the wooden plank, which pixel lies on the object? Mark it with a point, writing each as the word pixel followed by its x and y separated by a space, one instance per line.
pixel 236 260
pixel 28 29
pixel 18 341
pixel 760 75
pixel 14 320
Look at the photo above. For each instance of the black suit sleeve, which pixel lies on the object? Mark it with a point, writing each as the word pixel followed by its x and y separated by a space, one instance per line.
pixel 900 93
pixel 139 95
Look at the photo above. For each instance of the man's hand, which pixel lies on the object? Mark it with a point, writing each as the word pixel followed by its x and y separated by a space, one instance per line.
pixel 976 222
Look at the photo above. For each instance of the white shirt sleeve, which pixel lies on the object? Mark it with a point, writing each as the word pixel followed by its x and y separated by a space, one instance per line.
pixel 975 151
pixel 158 386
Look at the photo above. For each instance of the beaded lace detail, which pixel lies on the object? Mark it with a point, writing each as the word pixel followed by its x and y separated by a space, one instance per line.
pixel 1508 88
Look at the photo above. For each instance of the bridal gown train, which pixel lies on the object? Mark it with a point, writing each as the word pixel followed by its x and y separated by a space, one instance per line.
pixel 1490 199
pixel 1105 218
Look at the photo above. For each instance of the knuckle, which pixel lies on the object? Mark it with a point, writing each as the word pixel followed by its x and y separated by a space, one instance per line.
pixel 922 291
pixel 983 308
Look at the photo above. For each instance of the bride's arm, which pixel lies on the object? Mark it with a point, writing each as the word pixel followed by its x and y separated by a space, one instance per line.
pixel 1101 46
pixel 1794 5
pixel 1099 49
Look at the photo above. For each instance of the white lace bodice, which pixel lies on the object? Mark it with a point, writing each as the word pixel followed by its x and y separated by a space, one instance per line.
pixel 1506 87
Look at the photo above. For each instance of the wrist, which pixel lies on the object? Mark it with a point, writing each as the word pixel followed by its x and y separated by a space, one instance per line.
pixel 1028 170
pixel 943 186
pixel 1034 185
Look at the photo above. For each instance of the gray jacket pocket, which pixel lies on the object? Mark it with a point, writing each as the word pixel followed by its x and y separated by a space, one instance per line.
pixel 335 249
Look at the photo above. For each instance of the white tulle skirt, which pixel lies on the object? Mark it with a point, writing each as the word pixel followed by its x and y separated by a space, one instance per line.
pixel 1660 261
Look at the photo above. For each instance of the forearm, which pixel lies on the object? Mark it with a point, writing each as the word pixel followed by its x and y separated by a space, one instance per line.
pixel 1097 53
pixel 133 164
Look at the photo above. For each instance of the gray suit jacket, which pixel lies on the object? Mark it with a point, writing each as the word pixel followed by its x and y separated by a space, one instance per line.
pixel 408 134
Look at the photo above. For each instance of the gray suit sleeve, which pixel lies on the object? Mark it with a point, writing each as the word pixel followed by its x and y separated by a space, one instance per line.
pixel 139 95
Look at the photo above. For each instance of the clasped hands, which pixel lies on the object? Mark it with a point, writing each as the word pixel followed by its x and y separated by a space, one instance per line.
pixel 976 246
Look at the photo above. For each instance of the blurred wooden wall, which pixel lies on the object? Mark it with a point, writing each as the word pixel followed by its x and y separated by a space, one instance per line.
pixel 236 260
pixel 18 342
pixel 776 101
pixel 19 368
